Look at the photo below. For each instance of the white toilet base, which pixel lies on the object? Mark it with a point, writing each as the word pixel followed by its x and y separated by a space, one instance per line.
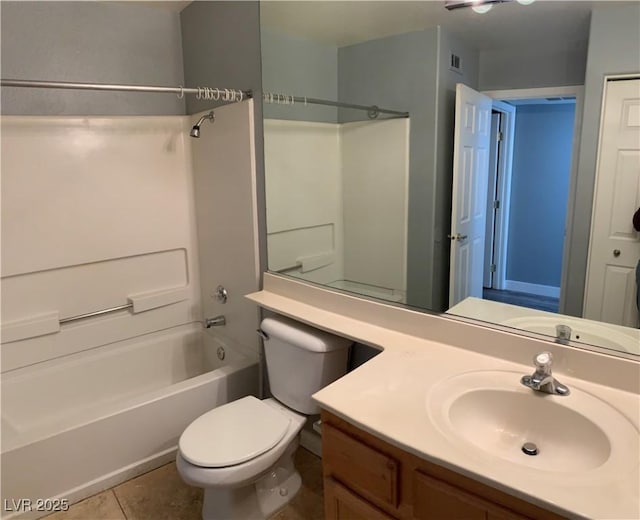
pixel 258 500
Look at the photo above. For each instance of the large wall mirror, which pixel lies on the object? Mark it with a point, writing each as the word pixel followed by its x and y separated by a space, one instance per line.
pixel 447 160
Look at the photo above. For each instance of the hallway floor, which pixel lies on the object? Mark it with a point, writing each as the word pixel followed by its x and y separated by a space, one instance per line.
pixel 161 495
pixel 532 301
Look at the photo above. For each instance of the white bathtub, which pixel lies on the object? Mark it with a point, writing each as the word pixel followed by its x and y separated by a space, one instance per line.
pixel 74 426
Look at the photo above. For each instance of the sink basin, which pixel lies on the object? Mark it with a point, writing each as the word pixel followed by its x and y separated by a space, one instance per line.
pixel 584 331
pixel 492 414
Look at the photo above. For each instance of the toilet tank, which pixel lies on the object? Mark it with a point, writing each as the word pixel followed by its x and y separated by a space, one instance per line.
pixel 301 360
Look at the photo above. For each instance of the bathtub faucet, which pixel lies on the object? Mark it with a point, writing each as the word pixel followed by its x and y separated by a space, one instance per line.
pixel 216 321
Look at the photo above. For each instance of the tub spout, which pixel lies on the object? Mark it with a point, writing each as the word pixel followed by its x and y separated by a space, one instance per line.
pixel 216 321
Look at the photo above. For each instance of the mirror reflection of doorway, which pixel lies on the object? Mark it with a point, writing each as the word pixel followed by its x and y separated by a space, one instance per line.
pixel 531 246
pixel 515 185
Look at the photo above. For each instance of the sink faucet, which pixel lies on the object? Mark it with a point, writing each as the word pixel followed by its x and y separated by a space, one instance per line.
pixel 563 334
pixel 542 380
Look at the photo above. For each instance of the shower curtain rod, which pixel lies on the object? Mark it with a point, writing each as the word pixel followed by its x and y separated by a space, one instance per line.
pixel 285 99
pixel 216 94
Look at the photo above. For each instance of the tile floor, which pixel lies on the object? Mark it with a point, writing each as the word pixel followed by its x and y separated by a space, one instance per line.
pixel 161 495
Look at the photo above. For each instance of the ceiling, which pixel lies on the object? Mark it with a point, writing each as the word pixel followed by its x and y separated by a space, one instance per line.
pixel 170 5
pixel 545 22
pixel 348 22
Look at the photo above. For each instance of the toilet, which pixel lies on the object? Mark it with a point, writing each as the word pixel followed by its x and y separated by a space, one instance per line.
pixel 241 453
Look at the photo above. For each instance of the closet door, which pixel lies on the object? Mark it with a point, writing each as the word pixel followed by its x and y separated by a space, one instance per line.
pixel 614 247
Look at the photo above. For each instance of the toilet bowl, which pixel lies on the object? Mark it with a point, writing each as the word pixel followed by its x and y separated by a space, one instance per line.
pixel 250 476
pixel 241 453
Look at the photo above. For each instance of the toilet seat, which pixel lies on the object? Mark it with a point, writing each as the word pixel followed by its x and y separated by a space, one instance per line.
pixel 233 433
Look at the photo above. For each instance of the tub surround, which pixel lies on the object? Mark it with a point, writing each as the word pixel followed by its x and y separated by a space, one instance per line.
pixel 121 210
pixel 389 395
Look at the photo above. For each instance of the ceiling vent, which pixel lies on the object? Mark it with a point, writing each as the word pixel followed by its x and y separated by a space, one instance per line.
pixel 455 63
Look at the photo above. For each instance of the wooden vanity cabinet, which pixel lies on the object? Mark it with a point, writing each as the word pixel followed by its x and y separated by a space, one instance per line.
pixel 366 478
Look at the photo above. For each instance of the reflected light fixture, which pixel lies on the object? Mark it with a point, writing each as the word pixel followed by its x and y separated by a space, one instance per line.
pixel 479 6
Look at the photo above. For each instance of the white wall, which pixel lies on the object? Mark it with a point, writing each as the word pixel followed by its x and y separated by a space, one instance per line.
pixel 94 211
pixel 303 188
pixel 99 211
pixel 375 178
pixel 224 172
pixel 329 184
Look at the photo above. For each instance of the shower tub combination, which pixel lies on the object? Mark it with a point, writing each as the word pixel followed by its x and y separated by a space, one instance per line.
pixel 77 425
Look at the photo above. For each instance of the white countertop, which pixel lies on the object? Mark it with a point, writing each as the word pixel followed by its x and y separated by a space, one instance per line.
pixel 388 397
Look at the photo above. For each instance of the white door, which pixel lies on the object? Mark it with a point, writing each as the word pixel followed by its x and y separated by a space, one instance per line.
pixel 469 201
pixel 614 247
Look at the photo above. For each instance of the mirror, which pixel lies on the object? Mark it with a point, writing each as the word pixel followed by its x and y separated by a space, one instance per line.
pixel 364 203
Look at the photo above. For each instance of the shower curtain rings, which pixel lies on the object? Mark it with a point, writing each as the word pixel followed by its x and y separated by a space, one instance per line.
pixel 293 101
pixel 241 95
pixel 206 93
pixel 199 94
pixel 181 94
pixel 216 95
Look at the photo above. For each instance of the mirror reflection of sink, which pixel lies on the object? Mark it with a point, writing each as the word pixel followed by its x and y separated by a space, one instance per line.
pixel 584 331
pixel 492 413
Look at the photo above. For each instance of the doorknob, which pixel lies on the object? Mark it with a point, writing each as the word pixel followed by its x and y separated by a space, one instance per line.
pixel 616 253
pixel 458 236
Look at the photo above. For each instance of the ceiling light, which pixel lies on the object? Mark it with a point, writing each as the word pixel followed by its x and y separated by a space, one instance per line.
pixel 482 8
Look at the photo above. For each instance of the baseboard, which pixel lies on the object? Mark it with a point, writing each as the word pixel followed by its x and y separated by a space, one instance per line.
pixel 532 288
pixel 311 441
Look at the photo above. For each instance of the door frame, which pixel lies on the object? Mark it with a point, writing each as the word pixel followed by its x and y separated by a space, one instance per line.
pixel 505 163
pixel 576 91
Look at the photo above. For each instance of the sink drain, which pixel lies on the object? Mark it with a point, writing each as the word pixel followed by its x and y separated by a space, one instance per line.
pixel 529 448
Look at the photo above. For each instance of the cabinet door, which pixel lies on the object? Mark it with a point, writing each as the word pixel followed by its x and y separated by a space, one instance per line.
pixel 434 499
pixel 369 472
pixel 340 503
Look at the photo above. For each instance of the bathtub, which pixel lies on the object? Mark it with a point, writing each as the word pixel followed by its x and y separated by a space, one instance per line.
pixel 77 425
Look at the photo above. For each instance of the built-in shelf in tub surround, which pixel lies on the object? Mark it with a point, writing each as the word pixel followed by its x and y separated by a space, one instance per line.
pixel 388 395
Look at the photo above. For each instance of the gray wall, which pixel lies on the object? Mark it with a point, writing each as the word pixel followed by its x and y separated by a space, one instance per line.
pixel 92 42
pixel 299 67
pixel 614 48
pixel 398 73
pixel 447 80
pixel 221 48
pixel 539 191
pixel 221 45
pixel 532 67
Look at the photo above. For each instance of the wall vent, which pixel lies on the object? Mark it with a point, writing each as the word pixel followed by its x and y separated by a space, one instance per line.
pixel 455 63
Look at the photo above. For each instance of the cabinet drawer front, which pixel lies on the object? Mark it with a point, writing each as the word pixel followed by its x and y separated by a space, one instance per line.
pixel 369 472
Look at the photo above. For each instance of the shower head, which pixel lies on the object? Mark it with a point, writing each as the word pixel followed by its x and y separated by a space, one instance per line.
pixel 195 131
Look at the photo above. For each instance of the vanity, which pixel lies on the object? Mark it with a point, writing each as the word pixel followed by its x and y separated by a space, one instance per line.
pixel 435 425
pixel 367 478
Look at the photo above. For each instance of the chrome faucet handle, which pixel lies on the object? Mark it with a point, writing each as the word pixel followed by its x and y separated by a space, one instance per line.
pixel 543 361
pixel 563 334
pixel 542 380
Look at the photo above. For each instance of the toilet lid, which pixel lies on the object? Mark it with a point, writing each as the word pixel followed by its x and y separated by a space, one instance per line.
pixel 233 433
